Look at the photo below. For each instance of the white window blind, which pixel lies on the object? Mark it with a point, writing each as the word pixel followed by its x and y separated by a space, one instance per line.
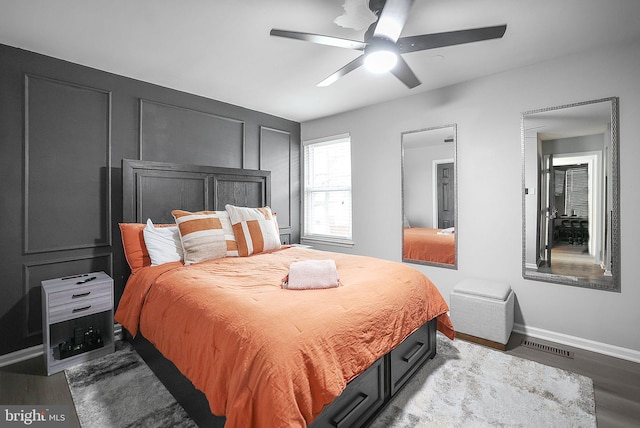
pixel 327 190
pixel 576 197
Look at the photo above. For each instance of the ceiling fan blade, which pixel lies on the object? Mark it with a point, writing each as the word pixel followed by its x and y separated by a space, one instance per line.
pixel 404 73
pixel 343 71
pixel 323 40
pixel 449 38
pixel 392 19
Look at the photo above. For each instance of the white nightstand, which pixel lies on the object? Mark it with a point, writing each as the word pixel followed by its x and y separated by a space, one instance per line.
pixel 77 319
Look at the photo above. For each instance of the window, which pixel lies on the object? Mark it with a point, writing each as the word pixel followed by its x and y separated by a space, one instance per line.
pixel 327 190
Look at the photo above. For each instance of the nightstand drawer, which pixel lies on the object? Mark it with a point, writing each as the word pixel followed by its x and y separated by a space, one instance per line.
pixel 80 309
pixel 81 294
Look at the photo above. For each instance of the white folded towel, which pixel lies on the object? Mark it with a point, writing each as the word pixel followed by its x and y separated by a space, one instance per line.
pixel 311 274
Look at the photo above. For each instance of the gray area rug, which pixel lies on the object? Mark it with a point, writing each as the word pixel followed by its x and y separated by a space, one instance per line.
pixel 468 385
pixel 119 390
pixel 465 385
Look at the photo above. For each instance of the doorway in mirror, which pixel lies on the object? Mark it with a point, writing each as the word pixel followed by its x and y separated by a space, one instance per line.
pixel 429 204
pixel 570 194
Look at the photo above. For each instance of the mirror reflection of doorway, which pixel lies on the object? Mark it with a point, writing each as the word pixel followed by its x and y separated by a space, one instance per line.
pixel 429 197
pixel 573 244
pixel 580 129
pixel 445 195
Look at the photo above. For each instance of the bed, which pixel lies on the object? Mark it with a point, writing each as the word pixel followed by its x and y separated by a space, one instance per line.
pixel 429 245
pixel 260 354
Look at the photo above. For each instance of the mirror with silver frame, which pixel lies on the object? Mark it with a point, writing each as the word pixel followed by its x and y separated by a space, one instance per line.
pixel 570 201
pixel 429 197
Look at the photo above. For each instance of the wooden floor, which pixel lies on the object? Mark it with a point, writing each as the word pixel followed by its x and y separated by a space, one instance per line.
pixel 616 382
pixel 573 260
pixel 27 383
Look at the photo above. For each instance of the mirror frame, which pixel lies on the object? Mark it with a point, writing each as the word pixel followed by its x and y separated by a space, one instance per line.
pixel 614 228
pixel 454 127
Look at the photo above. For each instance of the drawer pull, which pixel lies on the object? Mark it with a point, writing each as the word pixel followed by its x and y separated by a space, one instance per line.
pixel 413 352
pixel 74 276
pixel 340 419
pixel 77 296
pixel 76 310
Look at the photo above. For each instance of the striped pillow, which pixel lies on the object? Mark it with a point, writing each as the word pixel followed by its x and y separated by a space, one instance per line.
pixel 254 228
pixel 205 235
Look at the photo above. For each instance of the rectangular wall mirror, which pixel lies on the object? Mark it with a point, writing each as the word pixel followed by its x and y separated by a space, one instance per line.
pixel 429 197
pixel 570 232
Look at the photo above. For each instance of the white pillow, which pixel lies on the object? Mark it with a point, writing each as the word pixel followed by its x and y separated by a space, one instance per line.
pixel 163 243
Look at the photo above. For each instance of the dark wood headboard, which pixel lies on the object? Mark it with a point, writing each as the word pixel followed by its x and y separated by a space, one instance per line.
pixel 152 189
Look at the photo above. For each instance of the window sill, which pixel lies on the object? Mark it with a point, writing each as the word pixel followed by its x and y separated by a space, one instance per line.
pixel 326 241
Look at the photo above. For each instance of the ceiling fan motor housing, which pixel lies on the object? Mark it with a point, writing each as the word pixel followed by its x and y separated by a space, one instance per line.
pixel 380 55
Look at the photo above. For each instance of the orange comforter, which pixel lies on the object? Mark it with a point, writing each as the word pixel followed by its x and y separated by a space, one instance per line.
pixel 269 357
pixel 425 244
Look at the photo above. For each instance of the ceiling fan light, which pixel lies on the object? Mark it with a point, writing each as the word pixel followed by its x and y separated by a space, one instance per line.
pixel 380 61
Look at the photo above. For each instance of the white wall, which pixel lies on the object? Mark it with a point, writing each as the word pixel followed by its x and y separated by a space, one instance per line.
pixel 419 182
pixel 487 112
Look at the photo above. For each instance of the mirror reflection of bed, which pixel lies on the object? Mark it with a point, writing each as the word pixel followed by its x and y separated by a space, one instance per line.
pixel 429 196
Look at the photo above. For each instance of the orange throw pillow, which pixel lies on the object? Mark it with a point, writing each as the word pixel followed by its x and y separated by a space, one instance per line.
pixel 135 250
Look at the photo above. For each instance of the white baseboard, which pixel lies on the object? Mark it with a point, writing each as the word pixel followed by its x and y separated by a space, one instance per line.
pixel 35 351
pixel 117 332
pixel 578 342
pixel 20 355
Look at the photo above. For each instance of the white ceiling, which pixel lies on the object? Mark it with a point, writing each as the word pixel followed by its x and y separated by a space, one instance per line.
pixel 221 49
pixel 572 121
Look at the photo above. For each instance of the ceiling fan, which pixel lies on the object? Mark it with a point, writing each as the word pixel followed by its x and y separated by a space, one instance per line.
pixel 383 45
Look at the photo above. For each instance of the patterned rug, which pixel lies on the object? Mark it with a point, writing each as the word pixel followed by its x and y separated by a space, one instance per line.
pixel 119 390
pixel 465 385
pixel 468 385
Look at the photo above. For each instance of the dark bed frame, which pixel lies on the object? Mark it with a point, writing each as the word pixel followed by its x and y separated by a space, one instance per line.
pixel 153 189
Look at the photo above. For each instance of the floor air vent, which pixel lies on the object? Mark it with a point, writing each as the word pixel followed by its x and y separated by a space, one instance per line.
pixel 546 348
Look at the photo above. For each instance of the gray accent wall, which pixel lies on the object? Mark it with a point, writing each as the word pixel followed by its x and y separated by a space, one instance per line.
pixel 64 130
